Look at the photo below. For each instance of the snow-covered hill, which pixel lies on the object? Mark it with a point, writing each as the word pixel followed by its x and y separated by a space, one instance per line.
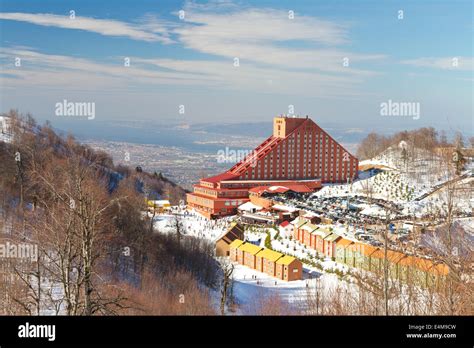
pixel 412 177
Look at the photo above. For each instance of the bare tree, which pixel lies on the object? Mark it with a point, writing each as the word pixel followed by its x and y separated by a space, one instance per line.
pixel 367 189
pixel 226 282
pixel 178 226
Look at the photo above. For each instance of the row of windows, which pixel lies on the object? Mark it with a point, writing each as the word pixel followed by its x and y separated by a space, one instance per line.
pixel 234 203
pixel 292 173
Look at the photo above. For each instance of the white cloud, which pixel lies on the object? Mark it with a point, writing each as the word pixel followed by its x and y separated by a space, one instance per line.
pixel 268 36
pixel 445 63
pixel 262 79
pixel 40 70
pixel 222 29
pixel 59 72
pixel 107 27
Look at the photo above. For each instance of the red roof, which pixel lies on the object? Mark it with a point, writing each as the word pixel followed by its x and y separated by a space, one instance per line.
pixel 284 224
pixel 258 189
pixel 300 188
pixel 314 184
pixel 220 177
pixel 277 189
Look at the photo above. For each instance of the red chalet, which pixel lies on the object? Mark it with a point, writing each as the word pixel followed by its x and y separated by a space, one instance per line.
pixel 299 152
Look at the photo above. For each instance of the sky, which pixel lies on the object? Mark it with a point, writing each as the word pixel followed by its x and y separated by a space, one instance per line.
pixel 241 61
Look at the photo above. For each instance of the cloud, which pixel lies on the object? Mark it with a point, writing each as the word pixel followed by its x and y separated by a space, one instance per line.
pixel 222 29
pixel 251 77
pixel 268 36
pixel 445 63
pixel 151 30
pixel 57 72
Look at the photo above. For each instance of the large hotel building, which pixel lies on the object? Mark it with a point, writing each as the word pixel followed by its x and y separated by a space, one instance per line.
pixel 298 154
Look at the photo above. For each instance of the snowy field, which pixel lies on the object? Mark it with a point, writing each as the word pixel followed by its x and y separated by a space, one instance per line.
pixel 193 224
pixel 250 286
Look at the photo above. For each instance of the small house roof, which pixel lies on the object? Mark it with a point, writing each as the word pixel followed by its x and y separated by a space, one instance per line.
pixel 440 269
pixel 285 260
pixel 236 243
pixel 378 254
pixel 343 242
pixel 269 254
pixel 332 237
pixel 394 256
pixel 309 227
pixel 235 231
pixel 368 249
pixel 250 248
pixel 301 223
pixel 321 232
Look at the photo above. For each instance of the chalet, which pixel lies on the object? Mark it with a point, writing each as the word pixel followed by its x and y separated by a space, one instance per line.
pixel 354 256
pixel 330 244
pixel 249 252
pixel 234 250
pixel 319 234
pixel 424 272
pixel 159 206
pixel 288 268
pixel 298 224
pixel 394 258
pixel 268 259
pixel 341 246
pixel 235 231
pixel 376 261
pixel 368 252
pixel 306 234
pixel 285 229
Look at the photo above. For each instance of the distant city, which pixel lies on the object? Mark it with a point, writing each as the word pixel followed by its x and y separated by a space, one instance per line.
pixel 182 166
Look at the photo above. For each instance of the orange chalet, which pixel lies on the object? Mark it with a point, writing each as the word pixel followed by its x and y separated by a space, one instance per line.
pixel 299 152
